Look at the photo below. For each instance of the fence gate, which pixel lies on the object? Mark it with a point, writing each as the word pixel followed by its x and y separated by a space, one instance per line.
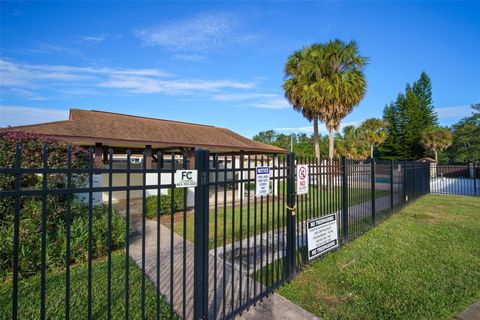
pixel 240 236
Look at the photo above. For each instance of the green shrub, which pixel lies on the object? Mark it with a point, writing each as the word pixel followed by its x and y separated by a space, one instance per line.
pixel 165 203
pixel 250 186
pixel 30 243
pixel 30 237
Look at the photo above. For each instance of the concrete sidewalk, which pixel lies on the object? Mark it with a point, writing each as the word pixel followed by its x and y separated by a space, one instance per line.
pixel 177 287
pixel 471 313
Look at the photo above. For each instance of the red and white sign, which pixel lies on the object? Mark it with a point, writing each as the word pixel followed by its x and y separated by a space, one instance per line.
pixel 302 179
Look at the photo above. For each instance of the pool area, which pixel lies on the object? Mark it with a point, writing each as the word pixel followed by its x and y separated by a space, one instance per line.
pixel 382 180
pixel 455 186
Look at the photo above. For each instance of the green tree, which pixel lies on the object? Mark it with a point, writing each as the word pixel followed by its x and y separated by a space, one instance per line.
pixel 297 70
pixel 423 90
pixel 390 148
pixel 302 143
pixel 466 138
pixel 268 137
pixel 407 118
pixel 373 131
pixel 325 82
pixel 436 140
pixel 352 143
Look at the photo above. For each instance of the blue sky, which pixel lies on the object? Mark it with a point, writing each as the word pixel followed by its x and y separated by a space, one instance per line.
pixel 222 63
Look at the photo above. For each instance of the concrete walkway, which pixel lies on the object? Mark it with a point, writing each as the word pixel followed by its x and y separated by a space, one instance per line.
pixel 471 313
pixel 271 245
pixel 276 307
pixel 177 287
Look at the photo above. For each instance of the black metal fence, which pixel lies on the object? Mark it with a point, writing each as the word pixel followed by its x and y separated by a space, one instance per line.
pixel 455 179
pixel 121 242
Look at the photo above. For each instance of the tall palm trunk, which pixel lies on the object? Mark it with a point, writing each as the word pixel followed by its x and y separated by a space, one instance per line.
pixel 315 138
pixel 330 143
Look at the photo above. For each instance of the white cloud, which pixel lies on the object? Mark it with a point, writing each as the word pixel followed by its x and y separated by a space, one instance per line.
pixel 93 39
pixel 255 100
pixel 454 112
pixel 27 94
pixel 308 129
pixel 25 78
pixel 321 128
pixel 188 57
pixel 242 96
pixel 22 115
pixel 276 103
pixel 151 85
pixel 55 48
pixel 205 32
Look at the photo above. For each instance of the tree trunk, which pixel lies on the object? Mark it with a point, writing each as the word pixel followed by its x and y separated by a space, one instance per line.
pixel 330 143
pixel 371 151
pixel 436 155
pixel 316 142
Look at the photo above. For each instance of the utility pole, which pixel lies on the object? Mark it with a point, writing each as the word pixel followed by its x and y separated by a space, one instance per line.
pixel 291 142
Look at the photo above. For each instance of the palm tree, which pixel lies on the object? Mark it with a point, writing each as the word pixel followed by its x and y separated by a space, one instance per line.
pixel 374 132
pixel 325 82
pixel 352 143
pixel 297 69
pixel 436 140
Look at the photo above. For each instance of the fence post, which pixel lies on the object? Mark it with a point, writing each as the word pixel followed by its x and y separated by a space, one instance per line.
pixel 474 179
pixel 291 232
pixel 344 200
pixel 428 176
pixel 414 181
pixel 404 181
pixel 200 274
pixel 372 185
pixel 391 185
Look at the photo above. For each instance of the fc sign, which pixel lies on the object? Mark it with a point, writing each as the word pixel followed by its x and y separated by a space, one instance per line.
pixel 185 178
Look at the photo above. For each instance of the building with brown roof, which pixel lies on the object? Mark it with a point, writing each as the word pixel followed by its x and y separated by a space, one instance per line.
pixel 120 131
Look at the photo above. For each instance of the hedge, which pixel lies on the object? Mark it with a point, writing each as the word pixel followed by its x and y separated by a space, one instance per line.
pixel 165 203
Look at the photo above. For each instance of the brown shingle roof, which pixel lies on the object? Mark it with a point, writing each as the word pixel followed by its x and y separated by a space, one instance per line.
pixel 119 130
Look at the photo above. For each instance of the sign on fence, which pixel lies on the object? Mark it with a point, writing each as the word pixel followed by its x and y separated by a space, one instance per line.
pixel 262 181
pixel 322 235
pixel 302 178
pixel 185 178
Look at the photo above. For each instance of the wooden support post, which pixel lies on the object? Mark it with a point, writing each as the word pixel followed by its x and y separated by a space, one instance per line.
pixel 105 155
pixel 191 160
pixel 148 157
pixel 98 155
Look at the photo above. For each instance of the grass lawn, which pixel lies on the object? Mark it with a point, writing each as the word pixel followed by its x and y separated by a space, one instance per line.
pixel 265 219
pixel 29 293
pixel 422 263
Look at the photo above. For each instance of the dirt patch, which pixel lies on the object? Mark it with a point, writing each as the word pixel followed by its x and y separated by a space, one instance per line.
pixel 434 215
pixel 425 218
pixel 177 217
pixel 332 301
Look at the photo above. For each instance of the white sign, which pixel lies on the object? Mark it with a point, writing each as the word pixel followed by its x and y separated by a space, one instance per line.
pixel 322 235
pixel 302 179
pixel 262 181
pixel 185 178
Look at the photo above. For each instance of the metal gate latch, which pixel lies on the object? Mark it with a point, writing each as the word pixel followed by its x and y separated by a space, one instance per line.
pixel 292 210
